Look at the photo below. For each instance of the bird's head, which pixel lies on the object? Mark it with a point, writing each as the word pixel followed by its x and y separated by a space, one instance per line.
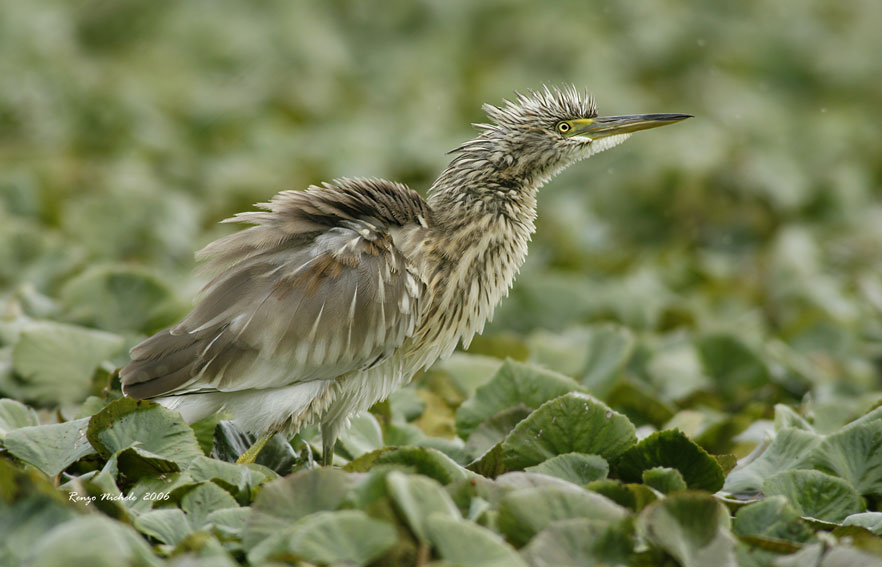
pixel 540 133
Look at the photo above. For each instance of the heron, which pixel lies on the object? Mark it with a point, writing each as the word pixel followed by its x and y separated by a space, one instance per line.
pixel 338 295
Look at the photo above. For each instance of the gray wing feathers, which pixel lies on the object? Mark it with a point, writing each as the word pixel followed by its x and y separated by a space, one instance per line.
pixel 293 215
pixel 314 290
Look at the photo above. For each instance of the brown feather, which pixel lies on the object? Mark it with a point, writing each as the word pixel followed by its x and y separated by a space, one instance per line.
pixel 290 303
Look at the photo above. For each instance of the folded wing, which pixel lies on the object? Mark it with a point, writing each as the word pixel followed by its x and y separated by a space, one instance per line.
pixel 314 290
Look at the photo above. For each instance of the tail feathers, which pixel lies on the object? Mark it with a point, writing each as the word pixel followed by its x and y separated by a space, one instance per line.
pixel 160 364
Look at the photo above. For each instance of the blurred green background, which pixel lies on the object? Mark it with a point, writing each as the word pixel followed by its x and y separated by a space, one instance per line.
pixel 129 128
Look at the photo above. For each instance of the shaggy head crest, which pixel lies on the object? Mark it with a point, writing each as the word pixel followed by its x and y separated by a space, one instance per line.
pixel 523 140
pixel 544 107
pixel 537 135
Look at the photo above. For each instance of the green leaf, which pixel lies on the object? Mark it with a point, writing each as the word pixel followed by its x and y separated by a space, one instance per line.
pixel 92 405
pixel 101 488
pixel 285 500
pixel 405 405
pixel 823 555
pixel 228 523
pixel 348 537
pixel 468 372
pixel 518 480
pixel 238 480
pixel 855 454
pixel 693 527
pixel 168 525
pixel 397 434
pixel 512 385
pixel 127 422
pixel 872 415
pixel 489 464
pixel 50 448
pixel 671 448
pixel 577 468
pixel 475 496
pixel 580 541
pixel 205 430
pixel 156 490
pixel 230 474
pixel 425 461
pixel 524 513
pixel 786 417
pixel 773 518
pixel 465 543
pixel 787 451
pixel 870 520
pixel 719 431
pixel 135 463
pixel 629 495
pixel 609 348
pixel 664 479
pixel 93 540
pixel 639 402
pixel 565 351
pixel 499 346
pixel 56 361
pixel 13 415
pixel 201 500
pixel 229 443
pixel 363 435
pixel 206 548
pixel 453 448
pixel 417 497
pixel 734 366
pixel 727 462
pixel 495 429
pixel 675 370
pixel 815 494
pixel 30 506
pixel 572 423
pixel 119 299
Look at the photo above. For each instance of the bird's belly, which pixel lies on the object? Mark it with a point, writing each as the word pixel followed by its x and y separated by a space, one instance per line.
pixel 288 408
pixel 358 391
pixel 284 409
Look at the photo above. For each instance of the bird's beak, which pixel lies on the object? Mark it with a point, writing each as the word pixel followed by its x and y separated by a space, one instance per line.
pixel 604 126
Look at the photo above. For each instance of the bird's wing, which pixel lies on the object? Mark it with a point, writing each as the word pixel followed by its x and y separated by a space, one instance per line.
pixel 314 290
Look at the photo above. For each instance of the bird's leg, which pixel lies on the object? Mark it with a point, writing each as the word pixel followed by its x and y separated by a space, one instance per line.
pixel 330 429
pixel 250 455
pixel 328 443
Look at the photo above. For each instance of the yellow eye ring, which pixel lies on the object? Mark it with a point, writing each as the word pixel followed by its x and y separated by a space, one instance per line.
pixel 563 127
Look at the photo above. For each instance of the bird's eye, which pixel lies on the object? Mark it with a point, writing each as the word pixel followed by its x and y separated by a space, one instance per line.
pixel 563 127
